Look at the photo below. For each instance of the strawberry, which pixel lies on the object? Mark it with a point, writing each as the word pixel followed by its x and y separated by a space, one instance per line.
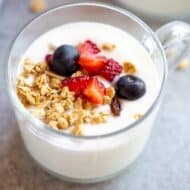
pixel 111 69
pixel 76 84
pixel 92 64
pixel 88 58
pixel 48 59
pixel 94 91
pixel 88 47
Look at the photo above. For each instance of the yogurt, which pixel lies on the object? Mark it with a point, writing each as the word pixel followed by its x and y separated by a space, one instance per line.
pixel 127 49
pixel 97 158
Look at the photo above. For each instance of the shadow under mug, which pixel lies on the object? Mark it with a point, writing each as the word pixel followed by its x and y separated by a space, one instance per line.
pixel 93 158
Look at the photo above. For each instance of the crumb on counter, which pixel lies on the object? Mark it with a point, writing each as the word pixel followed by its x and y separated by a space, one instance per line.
pixel 37 6
pixel 183 65
pixel 170 52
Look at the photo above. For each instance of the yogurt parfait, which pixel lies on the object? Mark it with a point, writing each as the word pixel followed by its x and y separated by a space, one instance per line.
pixel 86 88
pixel 86 79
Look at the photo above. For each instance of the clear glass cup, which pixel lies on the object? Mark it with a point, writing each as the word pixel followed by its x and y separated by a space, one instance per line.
pixel 87 159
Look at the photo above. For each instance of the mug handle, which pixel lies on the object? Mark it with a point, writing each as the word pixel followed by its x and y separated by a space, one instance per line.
pixel 175 39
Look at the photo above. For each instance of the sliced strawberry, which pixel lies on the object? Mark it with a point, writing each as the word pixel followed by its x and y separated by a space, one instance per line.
pixel 88 58
pixel 76 84
pixel 94 91
pixel 92 64
pixel 48 59
pixel 111 69
pixel 88 47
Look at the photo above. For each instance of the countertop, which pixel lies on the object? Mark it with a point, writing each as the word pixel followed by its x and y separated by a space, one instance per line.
pixel 164 163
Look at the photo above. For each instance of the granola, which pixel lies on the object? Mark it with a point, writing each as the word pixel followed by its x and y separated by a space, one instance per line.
pixel 109 94
pixel 51 47
pixel 129 68
pixel 137 116
pixel 55 105
pixel 108 46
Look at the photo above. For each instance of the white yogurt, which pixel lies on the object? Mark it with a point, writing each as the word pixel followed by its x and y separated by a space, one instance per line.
pixel 98 158
pixel 127 49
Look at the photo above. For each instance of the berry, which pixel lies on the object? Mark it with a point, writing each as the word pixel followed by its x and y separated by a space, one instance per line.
pixel 48 59
pixel 76 84
pixel 88 47
pixel 65 60
pixel 92 64
pixel 94 91
pixel 111 69
pixel 88 58
pixel 130 87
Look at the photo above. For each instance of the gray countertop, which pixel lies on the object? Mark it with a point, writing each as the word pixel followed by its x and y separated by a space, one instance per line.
pixel 164 164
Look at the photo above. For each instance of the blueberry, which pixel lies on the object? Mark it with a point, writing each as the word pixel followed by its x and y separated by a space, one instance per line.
pixel 130 87
pixel 65 60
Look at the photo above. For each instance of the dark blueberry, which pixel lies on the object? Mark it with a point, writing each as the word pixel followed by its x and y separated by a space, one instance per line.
pixel 130 87
pixel 65 60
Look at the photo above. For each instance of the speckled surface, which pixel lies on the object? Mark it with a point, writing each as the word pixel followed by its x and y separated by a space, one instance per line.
pixel 164 164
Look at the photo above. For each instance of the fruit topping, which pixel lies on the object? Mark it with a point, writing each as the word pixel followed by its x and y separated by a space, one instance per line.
pixel 94 91
pixel 92 64
pixel 48 59
pixel 90 87
pixel 111 69
pixel 65 60
pixel 130 87
pixel 76 84
pixel 88 47
pixel 115 106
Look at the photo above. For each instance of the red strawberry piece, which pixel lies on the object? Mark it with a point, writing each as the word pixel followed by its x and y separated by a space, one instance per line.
pixel 76 84
pixel 94 91
pixel 88 47
pixel 88 58
pixel 48 58
pixel 92 64
pixel 111 69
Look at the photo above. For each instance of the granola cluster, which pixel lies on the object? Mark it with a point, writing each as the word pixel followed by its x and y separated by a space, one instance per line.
pixel 129 68
pixel 108 46
pixel 41 92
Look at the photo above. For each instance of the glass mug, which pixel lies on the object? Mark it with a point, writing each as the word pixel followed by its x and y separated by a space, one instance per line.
pixel 86 159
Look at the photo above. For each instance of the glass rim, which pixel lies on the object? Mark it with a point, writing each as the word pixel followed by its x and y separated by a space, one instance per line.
pixel 22 110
